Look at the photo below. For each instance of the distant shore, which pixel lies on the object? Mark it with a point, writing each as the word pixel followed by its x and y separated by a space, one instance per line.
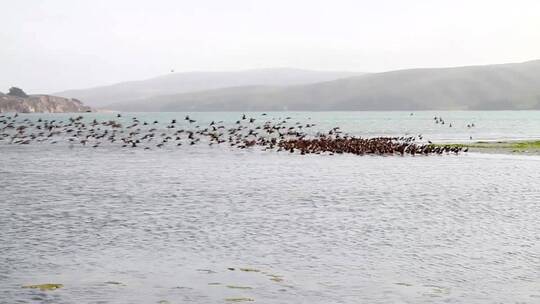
pixel 41 104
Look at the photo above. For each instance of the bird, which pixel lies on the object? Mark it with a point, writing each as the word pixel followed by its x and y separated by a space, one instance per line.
pixel 276 134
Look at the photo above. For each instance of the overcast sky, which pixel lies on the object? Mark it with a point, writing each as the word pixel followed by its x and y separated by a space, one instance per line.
pixel 52 45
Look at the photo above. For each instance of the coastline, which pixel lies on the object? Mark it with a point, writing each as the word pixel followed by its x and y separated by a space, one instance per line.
pixel 518 147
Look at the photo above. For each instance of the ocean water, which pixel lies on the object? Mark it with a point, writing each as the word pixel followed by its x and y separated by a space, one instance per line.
pixel 488 125
pixel 178 225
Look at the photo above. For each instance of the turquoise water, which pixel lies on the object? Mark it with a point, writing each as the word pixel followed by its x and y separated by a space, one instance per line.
pixel 489 125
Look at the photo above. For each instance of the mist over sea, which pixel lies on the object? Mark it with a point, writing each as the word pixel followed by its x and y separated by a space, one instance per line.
pixel 213 224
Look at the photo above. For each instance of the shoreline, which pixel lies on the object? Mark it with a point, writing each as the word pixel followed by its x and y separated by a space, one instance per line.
pixel 516 147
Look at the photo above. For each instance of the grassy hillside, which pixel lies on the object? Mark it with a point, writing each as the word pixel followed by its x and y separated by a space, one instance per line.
pixel 492 87
pixel 175 83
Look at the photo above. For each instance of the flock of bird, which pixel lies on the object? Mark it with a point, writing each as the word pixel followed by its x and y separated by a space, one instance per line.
pixel 440 120
pixel 277 134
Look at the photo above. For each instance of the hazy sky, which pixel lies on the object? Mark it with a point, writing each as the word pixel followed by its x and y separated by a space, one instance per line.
pixel 51 45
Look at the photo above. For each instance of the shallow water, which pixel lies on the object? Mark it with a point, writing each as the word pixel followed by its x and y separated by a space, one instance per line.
pixel 489 125
pixel 131 226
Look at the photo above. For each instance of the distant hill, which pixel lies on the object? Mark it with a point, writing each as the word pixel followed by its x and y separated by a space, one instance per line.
pixel 40 104
pixel 493 87
pixel 175 83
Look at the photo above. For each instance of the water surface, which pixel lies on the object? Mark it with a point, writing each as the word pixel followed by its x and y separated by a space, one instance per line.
pixel 132 226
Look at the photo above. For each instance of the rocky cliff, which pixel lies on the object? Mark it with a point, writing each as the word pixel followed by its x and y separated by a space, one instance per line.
pixel 41 104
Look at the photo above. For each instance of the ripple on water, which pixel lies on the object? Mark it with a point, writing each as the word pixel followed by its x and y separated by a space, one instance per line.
pixel 336 229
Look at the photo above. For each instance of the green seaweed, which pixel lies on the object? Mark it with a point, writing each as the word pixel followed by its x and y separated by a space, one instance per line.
pixel 527 145
pixel 275 278
pixel 44 287
pixel 238 287
pixel 249 270
pixel 438 289
pixel 496 146
pixel 241 299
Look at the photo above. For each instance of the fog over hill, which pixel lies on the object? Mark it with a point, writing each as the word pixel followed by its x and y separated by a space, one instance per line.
pixel 174 83
pixel 491 87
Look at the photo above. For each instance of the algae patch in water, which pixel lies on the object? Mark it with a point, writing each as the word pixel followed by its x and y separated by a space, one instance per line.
pixel 44 287
pixel 275 278
pixel 239 300
pixel 238 287
pixel 208 271
pixel 525 146
pixel 114 283
pixel 249 270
